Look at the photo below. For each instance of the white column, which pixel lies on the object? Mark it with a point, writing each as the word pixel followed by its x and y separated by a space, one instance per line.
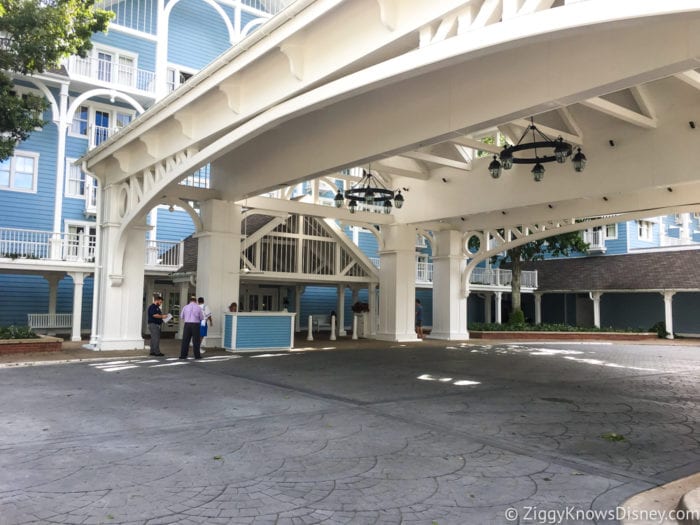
pixel 668 312
pixel 340 304
pixel 218 262
pixel 78 281
pixel 372 302
pixel 538 308
pixel 53 280
pixel 596 308
pixel 121 276
pixel 449 302
pixel 397 278
pixel 499 317
pixel 487 307
pixel 299 290
pixel 161 53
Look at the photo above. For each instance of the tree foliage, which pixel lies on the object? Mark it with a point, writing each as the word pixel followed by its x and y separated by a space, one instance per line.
pixel 557 246
pixel 34 36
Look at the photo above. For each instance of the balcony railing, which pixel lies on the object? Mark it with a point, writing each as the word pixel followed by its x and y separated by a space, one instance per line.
pixel 111 73
pixel 595 240
pixel 498 277
pixel 164 255
pixel 37 244
pixel 78 247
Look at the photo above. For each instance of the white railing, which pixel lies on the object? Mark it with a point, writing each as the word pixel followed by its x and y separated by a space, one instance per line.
pixel 45 321
pixel 595 240
pixel 673 241
pixel 167 255
pixel 424 272
pixel 499 277
pixel 36 244
pixel 112 73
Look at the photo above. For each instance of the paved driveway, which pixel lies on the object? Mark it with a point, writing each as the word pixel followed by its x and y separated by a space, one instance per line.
pixel 422 433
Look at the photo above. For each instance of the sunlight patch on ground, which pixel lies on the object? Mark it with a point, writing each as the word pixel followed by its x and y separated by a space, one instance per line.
pixel 599 362
pixel 458 382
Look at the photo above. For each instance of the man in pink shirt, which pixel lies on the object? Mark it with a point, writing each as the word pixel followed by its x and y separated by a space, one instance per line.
pixel 192 316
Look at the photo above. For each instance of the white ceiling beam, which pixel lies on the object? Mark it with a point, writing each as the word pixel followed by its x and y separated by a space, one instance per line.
pixel 315 210
pixel 402 167
pixel 692 78
pixel 435 159
pixel 552 132
pixel 621 113
pixel 475 144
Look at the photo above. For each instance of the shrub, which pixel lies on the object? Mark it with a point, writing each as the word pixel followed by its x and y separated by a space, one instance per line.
pixel 17 332
pixel 516 317
pixel 660 329
pixel 523 327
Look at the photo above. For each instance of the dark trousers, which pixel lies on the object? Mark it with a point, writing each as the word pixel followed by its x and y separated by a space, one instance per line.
pixel 190 332
pixel 154 329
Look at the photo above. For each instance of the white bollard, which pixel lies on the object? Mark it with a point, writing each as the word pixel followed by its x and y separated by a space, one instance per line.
pixel 354 327
pixel 310 337
pixel 333 328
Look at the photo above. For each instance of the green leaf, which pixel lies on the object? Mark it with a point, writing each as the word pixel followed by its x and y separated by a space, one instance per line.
pixel 612 436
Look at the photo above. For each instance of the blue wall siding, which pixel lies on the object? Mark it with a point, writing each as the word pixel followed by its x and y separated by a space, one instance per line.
pixel 618 246
pixel 367 242
pixel 173 226
pixel 263 332
pixel 635 242
pixel 197 35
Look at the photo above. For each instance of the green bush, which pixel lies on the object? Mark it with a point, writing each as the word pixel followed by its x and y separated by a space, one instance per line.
pixel 523 327
pixel 17 332
pixel 660 329
pixel 516 317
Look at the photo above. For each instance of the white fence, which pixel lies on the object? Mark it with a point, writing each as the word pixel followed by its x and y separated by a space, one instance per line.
pixel 498 277
pixel 47 321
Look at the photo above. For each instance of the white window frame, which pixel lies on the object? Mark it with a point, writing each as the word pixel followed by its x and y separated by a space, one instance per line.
pixel 177 71
pixel 93 108
pixel 608 235
pixel 87 123
pixel 645 230
pixel 115 64
pixel 71 168
pixel 12 172
pixel 71 250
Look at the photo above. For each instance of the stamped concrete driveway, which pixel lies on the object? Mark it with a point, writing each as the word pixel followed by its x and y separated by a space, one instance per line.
pixel 423 433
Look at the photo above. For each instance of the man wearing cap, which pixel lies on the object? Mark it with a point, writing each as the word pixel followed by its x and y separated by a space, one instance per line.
pixel 192 316
pixel 155 322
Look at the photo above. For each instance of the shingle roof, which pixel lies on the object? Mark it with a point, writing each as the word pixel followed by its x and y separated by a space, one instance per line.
pixel 669 270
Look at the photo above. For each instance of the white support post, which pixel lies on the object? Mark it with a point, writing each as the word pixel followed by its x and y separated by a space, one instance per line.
pixel 372 302
pixel 596 308
pixel 668 311
pixel 538 308
pixel 218 267
pixel 354 327
pixel 53 280
pixel 397 277
pixel 499 316
pixel 78 281
pixel 299 290
pixel 341 311
pixel 310 337
pixel 487 307
pixel 333 338
pixel 449 301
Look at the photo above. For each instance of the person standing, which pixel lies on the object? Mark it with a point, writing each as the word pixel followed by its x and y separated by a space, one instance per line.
pixel 192 316
pixel 155 322
pixel 208 321
pixel 419 319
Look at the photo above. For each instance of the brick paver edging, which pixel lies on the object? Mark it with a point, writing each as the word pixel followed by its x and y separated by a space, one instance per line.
pixel 43 344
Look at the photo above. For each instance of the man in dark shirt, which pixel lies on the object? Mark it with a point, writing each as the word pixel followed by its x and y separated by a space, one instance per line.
pixel 155 321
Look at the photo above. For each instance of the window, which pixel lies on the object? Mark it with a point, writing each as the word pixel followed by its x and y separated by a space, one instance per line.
pixel 611 231
pixel 114 66
pixel 125 75
pixel 79 126
pixel 80 241
pixel 75 180
pixel 104 66
pixel 645 230
pixel 19 173
pixel 176 77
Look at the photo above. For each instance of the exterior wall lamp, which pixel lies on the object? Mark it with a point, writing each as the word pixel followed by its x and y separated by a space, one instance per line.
pixel 549 151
